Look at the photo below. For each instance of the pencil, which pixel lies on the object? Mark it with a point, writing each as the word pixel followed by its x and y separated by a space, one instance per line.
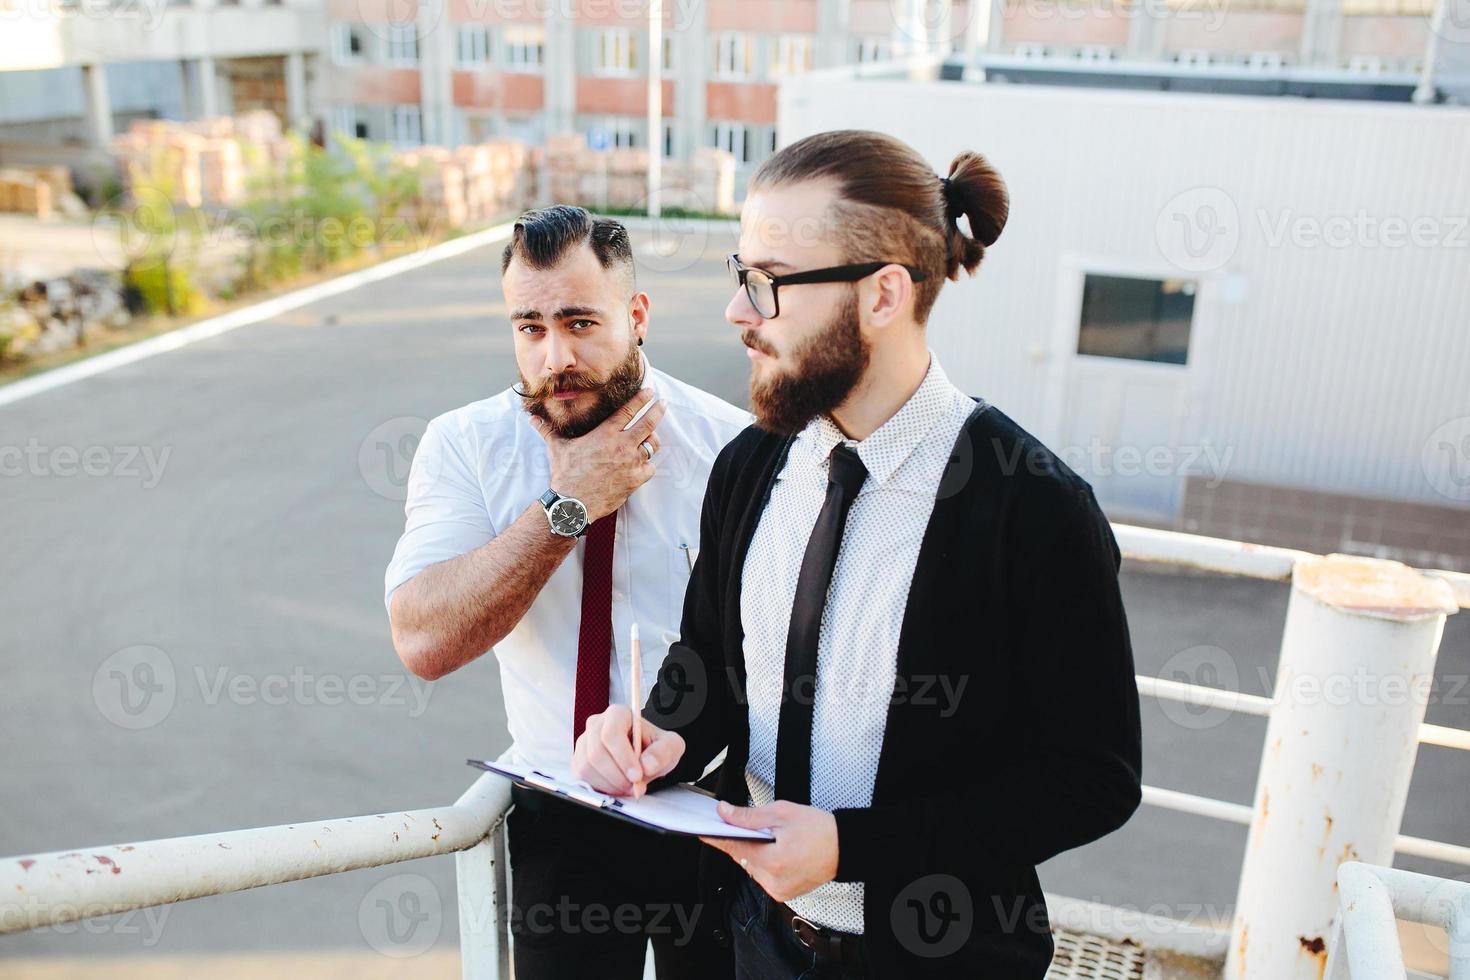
pixel 639 414
pixel 633 690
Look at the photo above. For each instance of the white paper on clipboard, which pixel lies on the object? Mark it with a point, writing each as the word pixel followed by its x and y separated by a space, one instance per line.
pixel 677 809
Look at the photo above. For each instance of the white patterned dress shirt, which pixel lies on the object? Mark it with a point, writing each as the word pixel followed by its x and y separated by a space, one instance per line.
pixel 858 646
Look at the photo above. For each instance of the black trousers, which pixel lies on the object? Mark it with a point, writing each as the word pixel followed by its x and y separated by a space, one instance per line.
pixel 589 892
pixel 767 950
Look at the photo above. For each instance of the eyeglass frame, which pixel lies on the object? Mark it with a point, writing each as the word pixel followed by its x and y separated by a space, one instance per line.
pixel 833 273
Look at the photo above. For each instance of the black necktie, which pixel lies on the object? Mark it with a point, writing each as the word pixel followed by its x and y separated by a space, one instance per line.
pixel 794 731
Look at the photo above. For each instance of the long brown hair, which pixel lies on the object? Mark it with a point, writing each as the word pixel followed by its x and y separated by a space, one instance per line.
pixel 892 206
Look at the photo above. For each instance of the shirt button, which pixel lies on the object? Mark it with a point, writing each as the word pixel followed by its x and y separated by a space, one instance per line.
pixel 617 596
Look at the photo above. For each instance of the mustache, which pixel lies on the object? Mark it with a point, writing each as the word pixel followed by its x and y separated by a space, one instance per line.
pixel 751 339
pixel 543 389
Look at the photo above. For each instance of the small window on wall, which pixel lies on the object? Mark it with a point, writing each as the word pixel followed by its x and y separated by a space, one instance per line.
pixel 1137 319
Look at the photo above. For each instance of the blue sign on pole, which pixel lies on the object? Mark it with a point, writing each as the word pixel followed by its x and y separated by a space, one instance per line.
pixel 597 138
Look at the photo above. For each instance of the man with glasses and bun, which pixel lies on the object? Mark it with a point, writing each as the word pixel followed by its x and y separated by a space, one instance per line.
pixel 904 627
pixel 541 527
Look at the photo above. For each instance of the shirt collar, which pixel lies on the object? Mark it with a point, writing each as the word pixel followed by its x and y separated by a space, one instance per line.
pixel 889 445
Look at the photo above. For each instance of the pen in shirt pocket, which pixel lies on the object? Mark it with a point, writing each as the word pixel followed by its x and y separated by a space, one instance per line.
pixel 688 555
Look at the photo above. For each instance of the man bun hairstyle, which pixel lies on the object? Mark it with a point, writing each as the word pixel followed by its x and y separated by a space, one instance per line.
pixel 893 206
pixel 544 237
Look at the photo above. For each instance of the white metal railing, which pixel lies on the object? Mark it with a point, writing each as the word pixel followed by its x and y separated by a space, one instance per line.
pixel 62 886
pixel 48 889
pixel 1273 564
pixel 1365 940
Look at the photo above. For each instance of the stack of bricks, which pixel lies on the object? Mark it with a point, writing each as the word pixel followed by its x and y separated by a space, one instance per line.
pixel 202 163
pixel 471 184
pixel 34 191
pixel 619 178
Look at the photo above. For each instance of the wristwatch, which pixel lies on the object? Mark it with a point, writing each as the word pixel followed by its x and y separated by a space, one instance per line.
pixel 568 515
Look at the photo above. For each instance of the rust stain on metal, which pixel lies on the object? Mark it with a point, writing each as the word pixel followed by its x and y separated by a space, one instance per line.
pixel 395 837
pixel 1240 946
pixel 106 861
pixel 1374 587
pixel 1349 853
pixel 126 847
pixel 1318 949
pixel 1316 770
pixel 435 821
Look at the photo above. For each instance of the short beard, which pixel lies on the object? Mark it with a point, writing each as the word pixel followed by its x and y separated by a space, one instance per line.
pixel 612 393
pixel 828 366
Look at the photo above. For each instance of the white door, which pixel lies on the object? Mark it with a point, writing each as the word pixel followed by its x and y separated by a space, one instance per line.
pixel 1121 387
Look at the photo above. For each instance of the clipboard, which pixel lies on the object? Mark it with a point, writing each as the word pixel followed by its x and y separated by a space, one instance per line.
pixel 682 810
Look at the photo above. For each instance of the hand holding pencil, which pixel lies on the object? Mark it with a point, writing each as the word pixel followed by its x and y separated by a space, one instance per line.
pixel 619 753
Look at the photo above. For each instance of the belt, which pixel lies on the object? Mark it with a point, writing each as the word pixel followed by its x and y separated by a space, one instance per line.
pixel 843 949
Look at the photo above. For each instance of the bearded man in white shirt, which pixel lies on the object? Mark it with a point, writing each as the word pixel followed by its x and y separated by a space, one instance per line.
pixel 538 528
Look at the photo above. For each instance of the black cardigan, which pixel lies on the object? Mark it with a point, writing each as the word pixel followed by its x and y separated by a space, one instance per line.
pixel 1015 596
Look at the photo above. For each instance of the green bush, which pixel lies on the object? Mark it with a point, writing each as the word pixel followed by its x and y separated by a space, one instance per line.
pixel 154 282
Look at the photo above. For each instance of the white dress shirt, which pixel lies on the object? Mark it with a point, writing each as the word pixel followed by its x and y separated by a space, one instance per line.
pixel 475 472
pixel 858 645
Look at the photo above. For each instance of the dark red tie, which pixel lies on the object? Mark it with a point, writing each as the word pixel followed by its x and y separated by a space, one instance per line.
pixel 594 643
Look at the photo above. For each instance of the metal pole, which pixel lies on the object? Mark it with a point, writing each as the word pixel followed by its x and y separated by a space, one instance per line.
pixel 655 106
pixel 1357 660
pixel 1424 93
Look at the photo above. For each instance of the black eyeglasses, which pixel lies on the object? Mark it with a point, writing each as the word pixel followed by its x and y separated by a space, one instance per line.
pixel 760 286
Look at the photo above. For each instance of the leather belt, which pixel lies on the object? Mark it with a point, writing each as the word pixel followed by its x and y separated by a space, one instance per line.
pixel 830 946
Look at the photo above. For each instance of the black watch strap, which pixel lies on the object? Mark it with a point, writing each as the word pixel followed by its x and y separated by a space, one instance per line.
pixel 548 498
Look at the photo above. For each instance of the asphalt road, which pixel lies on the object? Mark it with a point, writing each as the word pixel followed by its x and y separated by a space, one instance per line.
pixel 222 514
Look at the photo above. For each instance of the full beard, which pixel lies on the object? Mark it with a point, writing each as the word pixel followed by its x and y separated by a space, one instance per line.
pixel 828 366
pixel 611 393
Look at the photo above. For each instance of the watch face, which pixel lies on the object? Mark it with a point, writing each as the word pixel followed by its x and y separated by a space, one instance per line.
pixel 568 516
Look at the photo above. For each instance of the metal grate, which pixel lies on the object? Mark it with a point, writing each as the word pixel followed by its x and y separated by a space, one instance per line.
pixel 1083 957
